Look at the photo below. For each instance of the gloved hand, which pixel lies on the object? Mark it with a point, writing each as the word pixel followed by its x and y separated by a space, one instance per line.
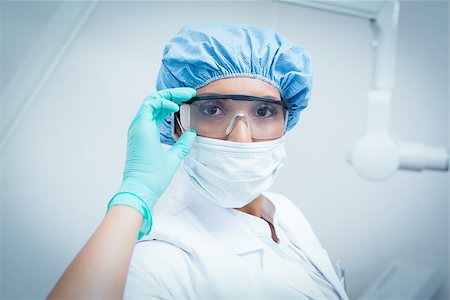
pixel 148 168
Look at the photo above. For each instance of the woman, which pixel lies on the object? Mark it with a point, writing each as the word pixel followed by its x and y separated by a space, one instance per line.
pixel 228 94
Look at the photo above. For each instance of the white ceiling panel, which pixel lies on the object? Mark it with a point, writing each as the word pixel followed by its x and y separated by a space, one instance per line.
pixel 364 9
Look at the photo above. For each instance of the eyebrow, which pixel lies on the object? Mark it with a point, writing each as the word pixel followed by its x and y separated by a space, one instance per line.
pixel 212 94
pixel 271 97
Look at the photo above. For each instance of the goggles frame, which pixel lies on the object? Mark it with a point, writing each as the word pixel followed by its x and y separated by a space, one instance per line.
pixel 239 97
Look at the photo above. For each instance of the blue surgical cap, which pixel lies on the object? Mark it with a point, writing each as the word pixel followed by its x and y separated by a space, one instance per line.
pixel 200 54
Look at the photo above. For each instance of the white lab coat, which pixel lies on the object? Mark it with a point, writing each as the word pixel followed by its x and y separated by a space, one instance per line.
pixel 197 250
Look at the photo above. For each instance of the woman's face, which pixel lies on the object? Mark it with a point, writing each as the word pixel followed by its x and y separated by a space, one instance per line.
pixel 243 86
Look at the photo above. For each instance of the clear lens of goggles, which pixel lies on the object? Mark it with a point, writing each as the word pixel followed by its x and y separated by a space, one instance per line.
pixel 215 116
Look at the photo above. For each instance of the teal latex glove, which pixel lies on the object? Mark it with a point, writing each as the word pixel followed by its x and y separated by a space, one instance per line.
pixel 149 169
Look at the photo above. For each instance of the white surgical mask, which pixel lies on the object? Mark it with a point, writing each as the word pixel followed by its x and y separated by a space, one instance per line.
pixel 232 174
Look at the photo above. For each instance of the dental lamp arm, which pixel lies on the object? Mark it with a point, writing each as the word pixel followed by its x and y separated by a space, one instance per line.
pixel 377 155
pixel 417 157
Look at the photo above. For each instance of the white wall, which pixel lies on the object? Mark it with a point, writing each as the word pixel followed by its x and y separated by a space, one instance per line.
pixel 65 159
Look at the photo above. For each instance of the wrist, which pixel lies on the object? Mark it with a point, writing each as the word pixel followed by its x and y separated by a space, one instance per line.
pixel 143 193
pixel 134 201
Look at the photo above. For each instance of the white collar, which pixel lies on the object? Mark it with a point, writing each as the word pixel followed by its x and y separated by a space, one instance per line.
pixel 238 236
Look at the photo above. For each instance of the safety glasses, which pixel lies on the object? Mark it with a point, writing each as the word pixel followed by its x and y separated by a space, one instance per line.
pixel 216 115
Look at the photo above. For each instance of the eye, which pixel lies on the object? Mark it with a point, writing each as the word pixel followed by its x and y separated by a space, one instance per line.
pixel 210 109
pixel 265 111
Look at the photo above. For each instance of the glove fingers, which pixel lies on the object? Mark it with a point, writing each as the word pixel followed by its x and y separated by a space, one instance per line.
pixel 158 105
pixel 153 111
pixel 183 145
pixel 177 95
pixel 158 108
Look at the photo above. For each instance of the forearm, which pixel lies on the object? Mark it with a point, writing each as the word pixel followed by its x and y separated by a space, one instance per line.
pixel 99 271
